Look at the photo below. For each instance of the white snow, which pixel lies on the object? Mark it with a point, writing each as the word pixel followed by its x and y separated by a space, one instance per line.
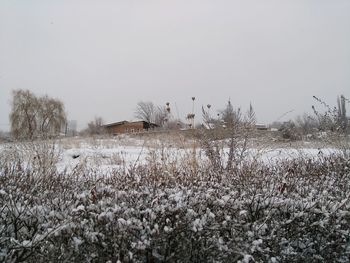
pixel 106 155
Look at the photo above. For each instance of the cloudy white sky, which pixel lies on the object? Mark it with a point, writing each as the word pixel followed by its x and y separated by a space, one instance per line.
pixel 101 57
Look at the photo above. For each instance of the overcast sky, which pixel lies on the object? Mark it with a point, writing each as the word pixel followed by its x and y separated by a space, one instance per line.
pixel 102 57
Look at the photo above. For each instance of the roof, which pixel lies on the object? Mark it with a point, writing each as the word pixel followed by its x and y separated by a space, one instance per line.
pixel 124 122
pixel 116 123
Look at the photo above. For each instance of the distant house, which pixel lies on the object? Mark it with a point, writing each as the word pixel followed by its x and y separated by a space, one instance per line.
pixel 129 127
pixel 261 127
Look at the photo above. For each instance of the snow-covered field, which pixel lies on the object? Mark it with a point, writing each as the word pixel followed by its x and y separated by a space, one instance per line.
pixel 135 200
pixel 108 156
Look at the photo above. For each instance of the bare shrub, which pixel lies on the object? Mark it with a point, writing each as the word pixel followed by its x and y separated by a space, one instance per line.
pixel 290 131
pixel 334 122
pixel 306 124
pixel 293 211
pixel 161 210
pixel 232 131
pixel 333 118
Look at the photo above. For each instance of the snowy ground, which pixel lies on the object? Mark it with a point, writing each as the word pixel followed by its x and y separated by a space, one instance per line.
pixel 104 155
pixel 126 156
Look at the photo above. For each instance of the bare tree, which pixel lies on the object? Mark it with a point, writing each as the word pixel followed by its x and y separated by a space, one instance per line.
pixel 95 127
pixel 51 116
pixel 230 116
pixel 32 116
pixel 25 108
pixel 151 113
pixel 145 111
pixel 161 116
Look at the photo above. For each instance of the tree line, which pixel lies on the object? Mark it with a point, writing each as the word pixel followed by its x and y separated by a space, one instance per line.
pixel 44 117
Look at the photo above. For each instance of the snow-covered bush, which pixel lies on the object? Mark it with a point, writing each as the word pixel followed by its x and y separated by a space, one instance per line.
pixel 292 211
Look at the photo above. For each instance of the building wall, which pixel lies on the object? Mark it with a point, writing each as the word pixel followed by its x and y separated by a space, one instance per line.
pixel 128 127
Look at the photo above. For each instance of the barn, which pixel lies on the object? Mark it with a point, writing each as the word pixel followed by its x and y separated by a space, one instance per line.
pixel 129 127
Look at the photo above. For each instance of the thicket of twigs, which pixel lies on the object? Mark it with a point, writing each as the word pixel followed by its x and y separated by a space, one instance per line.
pixel 291 211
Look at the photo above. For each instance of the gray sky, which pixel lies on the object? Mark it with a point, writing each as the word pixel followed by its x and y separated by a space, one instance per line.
pixel 102 57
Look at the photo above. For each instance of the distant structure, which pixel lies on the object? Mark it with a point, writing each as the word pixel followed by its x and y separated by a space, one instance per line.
pixel 71 128
pixel 261 127
pixel 129 127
